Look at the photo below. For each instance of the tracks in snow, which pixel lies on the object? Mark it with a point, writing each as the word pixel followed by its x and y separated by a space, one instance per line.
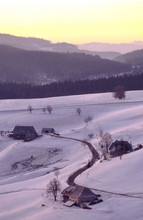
pixel 8 149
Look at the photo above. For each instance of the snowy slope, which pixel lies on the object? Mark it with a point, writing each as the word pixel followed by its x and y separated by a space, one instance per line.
pixel 22 187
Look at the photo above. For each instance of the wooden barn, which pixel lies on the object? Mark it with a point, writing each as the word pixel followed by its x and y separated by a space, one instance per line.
pixel 26 133
pixel 78 194
pixel 48 130
pixel 118 148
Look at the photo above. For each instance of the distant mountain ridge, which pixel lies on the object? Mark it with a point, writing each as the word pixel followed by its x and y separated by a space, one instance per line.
pixel 29 43
pixel 42 67
pixel 133 58
pixel 110 55
pixel 121 48
pixel 37 44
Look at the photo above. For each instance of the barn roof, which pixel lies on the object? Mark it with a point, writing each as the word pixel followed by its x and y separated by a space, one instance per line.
pixel 24 130
pixel 48 129
pixel 78 191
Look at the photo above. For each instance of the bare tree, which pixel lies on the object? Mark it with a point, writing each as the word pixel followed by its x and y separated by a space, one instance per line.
pixel 49 109
pixel 56 172
pixel 30 109
pixel 119 92
pixel 88 119
pixel 53 187
pixel 105 141
pixel 78 110
pixel 44 110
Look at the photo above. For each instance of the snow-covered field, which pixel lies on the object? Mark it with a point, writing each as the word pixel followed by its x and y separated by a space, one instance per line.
pixel 23 181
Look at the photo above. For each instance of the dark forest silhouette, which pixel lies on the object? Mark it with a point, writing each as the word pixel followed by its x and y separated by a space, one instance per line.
pixel 15 91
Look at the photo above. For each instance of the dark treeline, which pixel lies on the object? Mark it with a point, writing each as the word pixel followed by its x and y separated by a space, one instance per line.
pixel 15 91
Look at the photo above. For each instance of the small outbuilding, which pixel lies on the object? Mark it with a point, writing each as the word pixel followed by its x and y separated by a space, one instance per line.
pixel 118 148
pixel 78 194
pixel 26 133
pixel 48 130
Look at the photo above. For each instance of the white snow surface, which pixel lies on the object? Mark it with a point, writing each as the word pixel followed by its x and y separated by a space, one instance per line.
pixel 23 180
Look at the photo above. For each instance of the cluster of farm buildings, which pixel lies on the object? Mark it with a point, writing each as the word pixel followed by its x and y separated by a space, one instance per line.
pixel 28 133
pixel 73 194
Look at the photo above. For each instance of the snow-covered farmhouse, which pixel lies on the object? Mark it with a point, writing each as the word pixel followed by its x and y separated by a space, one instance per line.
pixel 78 194
pixel 26 133
pixel 118 148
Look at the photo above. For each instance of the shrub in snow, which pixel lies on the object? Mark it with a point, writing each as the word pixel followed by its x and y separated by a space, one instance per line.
pixel 88 119
pixel 119 92
pixel 30 109
pixel 49 109
pixel 78 110
pixel 90 135
pixel 44 110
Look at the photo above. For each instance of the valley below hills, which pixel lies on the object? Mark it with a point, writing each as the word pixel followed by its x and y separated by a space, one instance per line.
pixel 42 67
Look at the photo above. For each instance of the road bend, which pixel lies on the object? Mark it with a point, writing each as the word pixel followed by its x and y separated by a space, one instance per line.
pixel 90 163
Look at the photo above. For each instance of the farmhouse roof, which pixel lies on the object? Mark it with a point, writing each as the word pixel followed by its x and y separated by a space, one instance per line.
pixel 24 130
pixel 115 146
pixel 77 191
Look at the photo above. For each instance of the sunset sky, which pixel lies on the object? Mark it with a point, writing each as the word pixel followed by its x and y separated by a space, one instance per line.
pixel 74 21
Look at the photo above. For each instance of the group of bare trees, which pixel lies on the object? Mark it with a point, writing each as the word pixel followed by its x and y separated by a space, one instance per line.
pixel 87 119
pixel 44 109
pixel 119 93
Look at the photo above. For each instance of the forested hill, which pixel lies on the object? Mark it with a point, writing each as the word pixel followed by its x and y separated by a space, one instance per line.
pixel 38 67
pixel 38 44
pixel 20 91
pixel 133 58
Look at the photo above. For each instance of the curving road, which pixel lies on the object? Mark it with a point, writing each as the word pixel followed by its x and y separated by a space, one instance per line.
pixel 95 156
